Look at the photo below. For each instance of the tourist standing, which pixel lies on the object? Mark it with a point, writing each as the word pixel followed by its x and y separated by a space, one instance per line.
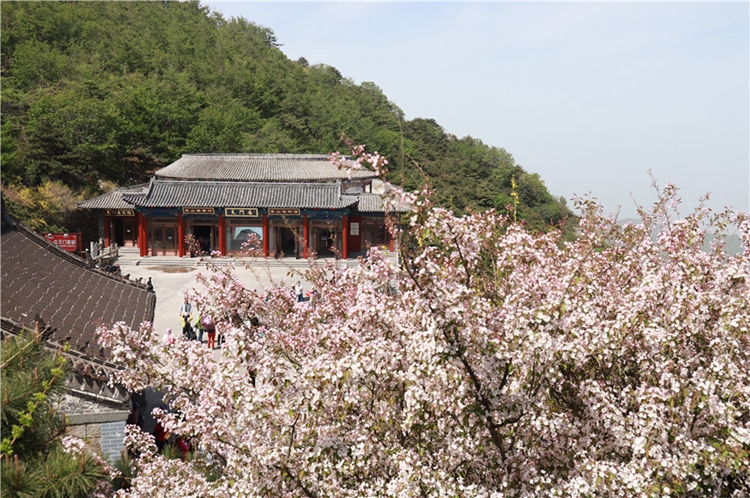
pixel 161 436
pixel 185 310
pixel 210 327
pixel 135 417
pixel 183 444
pixel 199 326
pixel 298 291
pixel 169 338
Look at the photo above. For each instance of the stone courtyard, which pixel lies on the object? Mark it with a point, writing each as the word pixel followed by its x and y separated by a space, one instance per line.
pixel 172 277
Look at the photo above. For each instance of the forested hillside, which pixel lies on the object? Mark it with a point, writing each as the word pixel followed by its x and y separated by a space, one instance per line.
pixel 99 94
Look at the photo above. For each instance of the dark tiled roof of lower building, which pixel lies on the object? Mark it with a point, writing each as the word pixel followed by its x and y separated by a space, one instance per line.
pixel 82 364
pixel 41 281
pixel 175 193
pixel 113 199
pixel 258 168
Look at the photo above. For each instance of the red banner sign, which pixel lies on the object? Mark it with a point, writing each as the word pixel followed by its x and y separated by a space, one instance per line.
pixel 70 242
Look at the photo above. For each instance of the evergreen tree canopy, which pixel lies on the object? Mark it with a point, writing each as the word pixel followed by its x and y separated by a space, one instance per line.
pixel 33 460
pixel 103 93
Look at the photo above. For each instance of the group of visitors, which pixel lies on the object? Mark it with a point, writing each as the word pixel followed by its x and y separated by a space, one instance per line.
pixel 299 293
pixel 193 329
pixel 194 326
pixel 162 438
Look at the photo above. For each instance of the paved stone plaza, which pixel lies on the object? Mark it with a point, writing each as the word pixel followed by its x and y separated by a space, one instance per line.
pixel 173 276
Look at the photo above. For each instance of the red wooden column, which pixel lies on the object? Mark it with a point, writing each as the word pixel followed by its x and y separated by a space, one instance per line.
pixel 180 235
pixel 107 221
pixel 345 236
pixel 265 235
pixel 222 235
pixel 142 235
pixel 305 235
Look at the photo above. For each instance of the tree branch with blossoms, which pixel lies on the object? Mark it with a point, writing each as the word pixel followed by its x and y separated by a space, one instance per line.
pixel 499 362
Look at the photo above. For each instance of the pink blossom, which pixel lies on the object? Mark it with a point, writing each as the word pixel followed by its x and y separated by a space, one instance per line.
pixel 493 362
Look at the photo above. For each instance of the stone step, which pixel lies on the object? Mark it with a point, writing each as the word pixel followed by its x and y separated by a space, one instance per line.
pixel 129 256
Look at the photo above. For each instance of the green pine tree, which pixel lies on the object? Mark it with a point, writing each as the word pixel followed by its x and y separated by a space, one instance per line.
pixel 33 463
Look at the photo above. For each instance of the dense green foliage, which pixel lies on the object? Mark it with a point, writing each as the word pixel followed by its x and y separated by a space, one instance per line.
pixel 111 91
pixel 33 462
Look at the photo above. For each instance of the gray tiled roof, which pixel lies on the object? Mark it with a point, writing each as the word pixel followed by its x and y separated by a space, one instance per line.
pixel 172 193
pixel 374 203
pixel 113 200
pixel 40 279
pixel 257 168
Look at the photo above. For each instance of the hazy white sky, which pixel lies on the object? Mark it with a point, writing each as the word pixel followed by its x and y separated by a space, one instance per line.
pixel 589 95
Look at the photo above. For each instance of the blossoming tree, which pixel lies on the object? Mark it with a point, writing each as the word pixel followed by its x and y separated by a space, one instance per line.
pixel 493 362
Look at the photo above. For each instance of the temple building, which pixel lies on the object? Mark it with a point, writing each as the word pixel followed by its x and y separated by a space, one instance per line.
pixel 294 205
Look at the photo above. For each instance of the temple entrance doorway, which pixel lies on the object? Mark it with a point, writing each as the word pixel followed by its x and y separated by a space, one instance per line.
pixel 286 242
pixel 123 231
pixel 119 232
pixel 162 239
pixel 203 237
pixel 326 241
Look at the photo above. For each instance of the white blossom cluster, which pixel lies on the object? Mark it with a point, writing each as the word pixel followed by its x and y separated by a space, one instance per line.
pixel 502 364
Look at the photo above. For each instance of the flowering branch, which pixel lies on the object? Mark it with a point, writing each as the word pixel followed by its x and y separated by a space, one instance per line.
pixel 495 361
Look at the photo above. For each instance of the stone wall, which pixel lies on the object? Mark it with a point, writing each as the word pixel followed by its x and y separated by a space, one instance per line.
pixel 100 424
pixel 91 433
pixel 113 434
pixel 72 404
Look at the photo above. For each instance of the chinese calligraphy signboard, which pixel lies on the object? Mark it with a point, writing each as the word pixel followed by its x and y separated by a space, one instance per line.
pixel 283 211
pixel 194 210
pixel 119 212
pixel 70 242
pixel 241 212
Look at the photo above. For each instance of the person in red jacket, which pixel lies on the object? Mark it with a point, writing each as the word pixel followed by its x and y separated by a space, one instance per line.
pixel 208 325
pixel 161 436
pixel 183 444
pixel 135 416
